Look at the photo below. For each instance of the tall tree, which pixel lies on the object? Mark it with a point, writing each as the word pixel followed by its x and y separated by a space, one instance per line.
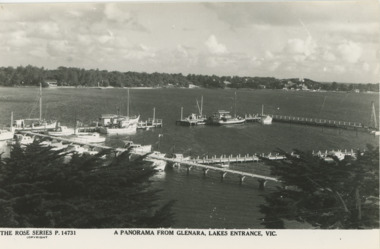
pixel 343 194
pixel 39 188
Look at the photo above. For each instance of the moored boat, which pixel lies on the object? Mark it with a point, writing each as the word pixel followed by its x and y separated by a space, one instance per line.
pixel 193 118
pixel 138 148
pixel 35 123
pixel 87 137
pixel 117 124
pixel 224 118
pixel 61 131
pixel 265 119
pixel 7 134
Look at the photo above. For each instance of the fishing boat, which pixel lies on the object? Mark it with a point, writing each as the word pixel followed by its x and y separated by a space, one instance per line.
pixel 222 117
pixel 38 124
pixel 7 134
pixel 118 125
pixel 87 137
pixel 265 119
pixel 157 163
pixel 61 131
pixel 193 118
pixel 138 148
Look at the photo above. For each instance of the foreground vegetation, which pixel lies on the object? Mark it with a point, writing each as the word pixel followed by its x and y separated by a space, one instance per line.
pixel 39 189
pixel 68 76
pixel 339 195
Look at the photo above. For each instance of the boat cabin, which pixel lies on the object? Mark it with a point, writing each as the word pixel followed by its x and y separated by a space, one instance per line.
pixel 108 119
pixel 222 114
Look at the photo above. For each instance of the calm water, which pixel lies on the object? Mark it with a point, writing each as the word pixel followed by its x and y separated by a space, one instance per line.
pixel 206 202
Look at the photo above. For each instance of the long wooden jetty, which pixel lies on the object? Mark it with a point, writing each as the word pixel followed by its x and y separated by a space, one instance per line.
pixel 309 121
pixel 188 163
pixel 317 122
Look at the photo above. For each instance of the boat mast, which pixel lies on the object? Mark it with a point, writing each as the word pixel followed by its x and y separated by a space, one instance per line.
pixel 11 127
pixel 201 105
pixel 154 115
pixel 373 119
pixel 40 101
pixel 128 103
pixel 181 113
pixel 235 106
pixel 262 110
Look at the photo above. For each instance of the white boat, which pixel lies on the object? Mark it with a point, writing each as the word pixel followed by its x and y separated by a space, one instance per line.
pixel 225 118
pixel 8 133
pixel 138 148
pixel 157 163
pixel 222 117
pixel 265 119
pixel 62 131
pixel 118 125
pixel 376 133
pixel 193 118
pixel 87 137
pixel 35 123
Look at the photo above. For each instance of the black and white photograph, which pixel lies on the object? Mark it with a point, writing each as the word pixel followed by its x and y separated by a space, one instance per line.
pixel 211 121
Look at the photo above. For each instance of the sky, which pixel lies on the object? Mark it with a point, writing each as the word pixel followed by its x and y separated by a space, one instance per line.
pixel 324 41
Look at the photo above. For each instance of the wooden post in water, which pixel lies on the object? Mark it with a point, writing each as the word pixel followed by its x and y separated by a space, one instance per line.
pixel 262 183
pixel 241 179
pixel 205 172
pixel 154 115
pixel 223 175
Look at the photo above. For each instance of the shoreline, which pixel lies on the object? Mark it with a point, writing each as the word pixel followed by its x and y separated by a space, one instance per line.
pixel 152 88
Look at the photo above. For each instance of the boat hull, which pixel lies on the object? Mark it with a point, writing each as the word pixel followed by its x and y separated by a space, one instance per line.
pixel 6 135
pixel 90 138
pixel 227 122
pixel 118 131
pixel 44 127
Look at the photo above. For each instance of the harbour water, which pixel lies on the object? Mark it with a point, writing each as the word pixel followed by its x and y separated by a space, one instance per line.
pixel 205 201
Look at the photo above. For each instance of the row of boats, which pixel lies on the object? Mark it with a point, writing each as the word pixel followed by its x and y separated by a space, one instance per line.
pixel 112 124
pixel 221 117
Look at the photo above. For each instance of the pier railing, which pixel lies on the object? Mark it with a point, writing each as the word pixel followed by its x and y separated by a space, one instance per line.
pixel 316 121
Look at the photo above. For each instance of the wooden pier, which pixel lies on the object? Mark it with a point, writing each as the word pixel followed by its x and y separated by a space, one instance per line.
pixel 188 163
pixel 318 122
pixel 150 123
pixel 309 121
pixel 237 159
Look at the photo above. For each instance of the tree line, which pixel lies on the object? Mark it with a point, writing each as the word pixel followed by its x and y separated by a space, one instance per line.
pixel 79 77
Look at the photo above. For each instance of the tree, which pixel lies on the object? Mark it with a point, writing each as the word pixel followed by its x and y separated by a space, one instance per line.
pixel 39 188
pixel 343 194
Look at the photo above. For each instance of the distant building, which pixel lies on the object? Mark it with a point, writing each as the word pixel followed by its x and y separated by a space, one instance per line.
pixel 51 83
pixel 304 87
pixel 193 86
